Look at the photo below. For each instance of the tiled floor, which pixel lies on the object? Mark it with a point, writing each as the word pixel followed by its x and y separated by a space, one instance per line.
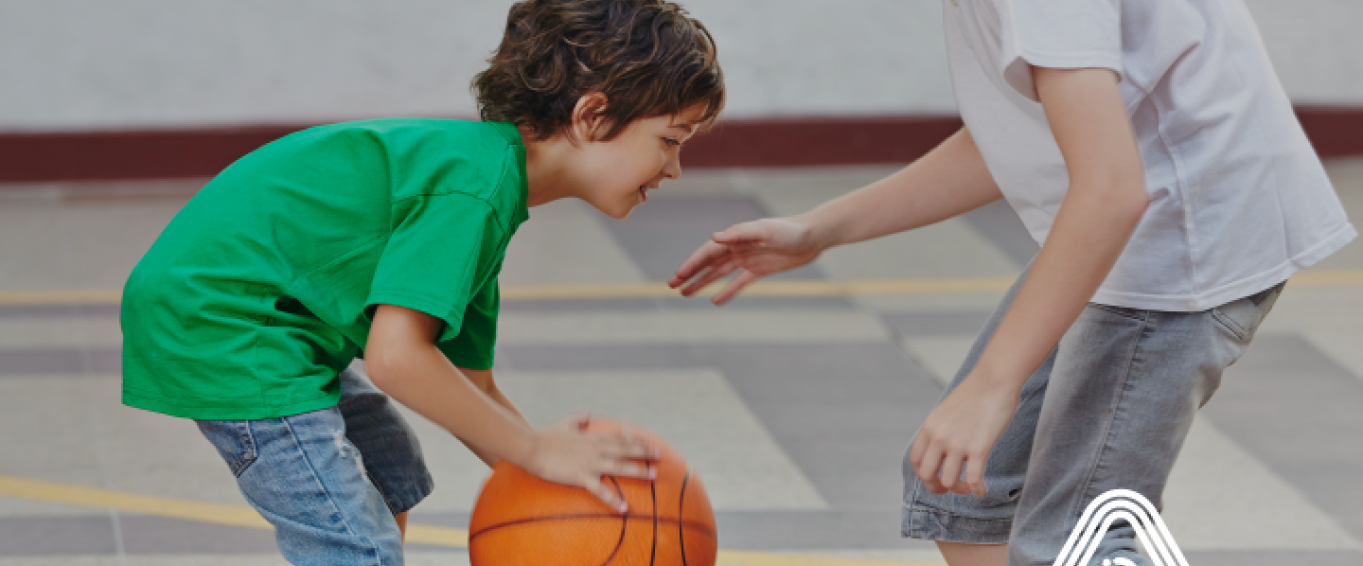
pixel 795 410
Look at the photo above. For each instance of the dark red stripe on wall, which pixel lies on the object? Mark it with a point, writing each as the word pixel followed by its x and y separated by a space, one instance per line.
pixel 818 141
pixel 101 156
pixel 1334 131
pixel 156 154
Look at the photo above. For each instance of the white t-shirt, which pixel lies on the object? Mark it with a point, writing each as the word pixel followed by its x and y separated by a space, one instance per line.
pixel 1239 201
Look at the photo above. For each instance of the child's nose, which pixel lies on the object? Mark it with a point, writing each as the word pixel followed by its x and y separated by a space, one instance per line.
pixel 673 168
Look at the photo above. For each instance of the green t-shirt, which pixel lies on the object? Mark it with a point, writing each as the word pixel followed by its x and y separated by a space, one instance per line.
pixel 262 288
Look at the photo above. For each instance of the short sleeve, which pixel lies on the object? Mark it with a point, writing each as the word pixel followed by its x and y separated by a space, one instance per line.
pixel 474 346
pixel 1059 34
pixel 439 255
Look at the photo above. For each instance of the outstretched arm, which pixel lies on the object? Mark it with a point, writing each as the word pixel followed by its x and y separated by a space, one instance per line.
pixel 1105 202
pixel 403 361
pixel 950 180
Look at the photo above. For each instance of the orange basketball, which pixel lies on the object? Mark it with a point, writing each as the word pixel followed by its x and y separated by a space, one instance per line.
pixel 521 520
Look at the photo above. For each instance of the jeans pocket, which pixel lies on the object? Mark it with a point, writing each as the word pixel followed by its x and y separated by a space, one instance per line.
pixel 1243 316
pixel 233 441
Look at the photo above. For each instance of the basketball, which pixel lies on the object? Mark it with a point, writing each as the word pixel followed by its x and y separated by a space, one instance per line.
pixel 522 520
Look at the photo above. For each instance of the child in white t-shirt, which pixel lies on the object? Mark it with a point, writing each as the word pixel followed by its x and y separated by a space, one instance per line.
pixel 1149 147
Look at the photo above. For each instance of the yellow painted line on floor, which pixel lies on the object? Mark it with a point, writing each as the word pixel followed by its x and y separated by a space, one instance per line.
pixel 773 288
pixel 1327 278
pixel 234 516
pixel 214 513
pixel 658 289
pixel 32 298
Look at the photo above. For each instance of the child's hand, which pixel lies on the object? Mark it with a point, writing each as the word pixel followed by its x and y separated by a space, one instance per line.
pixel 959 435
pixel 759 248
pixel 566 453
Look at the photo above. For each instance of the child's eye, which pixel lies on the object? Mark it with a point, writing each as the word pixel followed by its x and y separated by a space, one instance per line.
pixel 672 142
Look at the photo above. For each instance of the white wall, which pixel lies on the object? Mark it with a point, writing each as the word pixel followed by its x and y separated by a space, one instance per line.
pixel 99 64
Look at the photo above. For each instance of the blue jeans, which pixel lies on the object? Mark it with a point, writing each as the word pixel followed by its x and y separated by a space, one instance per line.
pixel 1110 408
pixel 330 481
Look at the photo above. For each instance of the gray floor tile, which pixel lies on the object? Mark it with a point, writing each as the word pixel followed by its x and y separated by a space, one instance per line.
pixel 787 531
pixel 599 305
pixel 1299 413
pixel 760 303
pixel 1347 176
pixel 95 311
pixel 59 332
pixel 695 410
pixel 564 242
pixel 690 326
pixel 1221 497
pixel 1274 557
pixel 48 536
pixel 57 361
pixel 946 323
pixel 1000 225
pixel 30 311
pixel 41 361
pixel 663 232
pixel 156 535
pixel 1342 347
pixel 673 303
pixel 844 413
pixel 87 241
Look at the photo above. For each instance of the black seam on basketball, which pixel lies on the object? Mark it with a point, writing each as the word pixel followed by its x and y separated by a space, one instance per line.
pixel 698 526
pixel 653 553
pixel 681 516
pixel 624 524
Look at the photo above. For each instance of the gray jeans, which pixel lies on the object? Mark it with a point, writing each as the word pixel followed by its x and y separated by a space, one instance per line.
pixel 1108 409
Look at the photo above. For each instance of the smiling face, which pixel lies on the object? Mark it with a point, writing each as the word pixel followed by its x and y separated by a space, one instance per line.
pixel 615 175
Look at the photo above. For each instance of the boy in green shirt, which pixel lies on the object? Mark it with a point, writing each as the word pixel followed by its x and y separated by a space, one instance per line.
pixel 383 239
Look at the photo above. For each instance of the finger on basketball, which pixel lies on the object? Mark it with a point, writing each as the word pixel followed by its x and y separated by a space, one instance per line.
pixel 627 448
pixel 632 470
pixel 604 493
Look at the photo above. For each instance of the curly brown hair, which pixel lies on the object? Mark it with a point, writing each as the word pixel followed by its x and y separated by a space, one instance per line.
pixel 648 58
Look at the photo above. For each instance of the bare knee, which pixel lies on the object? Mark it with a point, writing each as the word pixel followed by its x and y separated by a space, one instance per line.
pixel 962 554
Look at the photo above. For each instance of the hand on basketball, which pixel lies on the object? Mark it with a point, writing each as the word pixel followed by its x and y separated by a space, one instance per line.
pixel 758 248
pixel 959 435
pixel 566 453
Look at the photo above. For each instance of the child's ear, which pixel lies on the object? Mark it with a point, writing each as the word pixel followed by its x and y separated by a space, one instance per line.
pixel 589 116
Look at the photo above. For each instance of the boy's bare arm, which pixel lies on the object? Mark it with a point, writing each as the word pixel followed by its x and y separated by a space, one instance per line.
pixel 1105 202
pixel 483 380
pixel 403 361
pixel 951 179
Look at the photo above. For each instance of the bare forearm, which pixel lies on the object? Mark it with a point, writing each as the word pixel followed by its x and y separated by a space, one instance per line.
pixel 424 380
pixel 482 379
pixel 1085 241
pixel 1105 202
pixel 950 180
